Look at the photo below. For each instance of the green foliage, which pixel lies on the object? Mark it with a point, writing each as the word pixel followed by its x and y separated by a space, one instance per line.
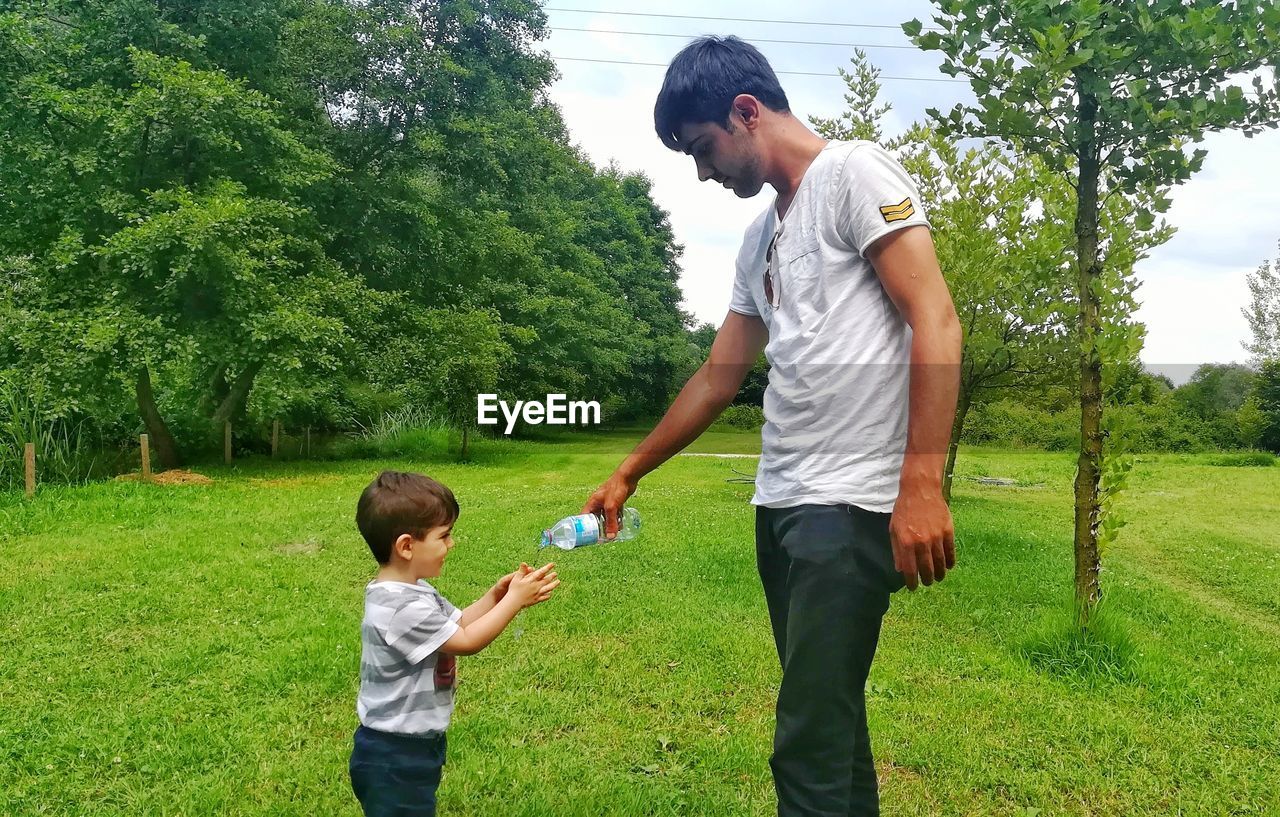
pixel 1250 422
pixel 415 432
pixel 862 117
pixel 745 416
pixel 1267 390
pixel 1216 389
pixel 66 449
pixel 315 211
pixel 1109 95
pixel 1263 312
pixel 1153 75
pixel 1245 459
pixel 1163 424
pixel 1002 231
pixel 1007 423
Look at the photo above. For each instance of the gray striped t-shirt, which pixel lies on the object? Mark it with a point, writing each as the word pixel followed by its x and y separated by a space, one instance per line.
pixel 403 629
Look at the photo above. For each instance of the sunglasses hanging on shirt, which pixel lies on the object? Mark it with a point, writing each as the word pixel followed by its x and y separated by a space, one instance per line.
pixel 772 281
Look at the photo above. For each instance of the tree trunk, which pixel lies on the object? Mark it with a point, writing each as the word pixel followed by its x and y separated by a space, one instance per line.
pixel 235 397
pixel 957 428
pixel 1088 508
pixel 166 447
pixel 216 391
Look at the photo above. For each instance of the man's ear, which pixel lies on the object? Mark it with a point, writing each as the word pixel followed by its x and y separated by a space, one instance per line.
pixel 403 546
pixel 746 109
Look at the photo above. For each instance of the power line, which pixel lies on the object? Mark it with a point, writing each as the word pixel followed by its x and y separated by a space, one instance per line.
pixel 792 73
pixel 752 39
pixel 733 19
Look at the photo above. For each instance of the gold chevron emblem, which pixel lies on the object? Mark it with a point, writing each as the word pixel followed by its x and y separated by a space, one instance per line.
pixel 898 212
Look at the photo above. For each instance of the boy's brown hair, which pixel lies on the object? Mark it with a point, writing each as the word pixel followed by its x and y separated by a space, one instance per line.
pixel 396 503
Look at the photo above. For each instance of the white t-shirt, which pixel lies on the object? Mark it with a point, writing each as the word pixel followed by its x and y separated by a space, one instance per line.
pixel 840 352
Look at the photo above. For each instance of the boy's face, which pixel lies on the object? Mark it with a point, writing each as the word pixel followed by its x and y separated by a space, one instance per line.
pixel 426 555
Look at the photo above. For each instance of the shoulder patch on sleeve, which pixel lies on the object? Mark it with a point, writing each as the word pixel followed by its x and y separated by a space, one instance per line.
pixel 898 212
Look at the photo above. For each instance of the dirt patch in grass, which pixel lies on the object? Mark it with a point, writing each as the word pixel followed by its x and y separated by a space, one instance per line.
pixel 175 477
pixel 295 482
pixel 297 548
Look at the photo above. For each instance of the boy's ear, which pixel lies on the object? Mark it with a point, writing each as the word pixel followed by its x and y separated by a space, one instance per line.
pixel 403 546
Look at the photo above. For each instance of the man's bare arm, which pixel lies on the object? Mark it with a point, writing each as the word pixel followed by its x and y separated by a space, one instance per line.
pixel 737 346
pixel 922 529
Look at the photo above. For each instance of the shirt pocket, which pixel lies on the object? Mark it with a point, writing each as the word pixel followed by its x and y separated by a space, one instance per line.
pixel 798 269
pixel 797 253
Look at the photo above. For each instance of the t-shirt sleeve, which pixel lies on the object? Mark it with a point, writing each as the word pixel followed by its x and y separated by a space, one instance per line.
pixel 742 301
pixel 873 197
pixel 421 627
pixel 449 610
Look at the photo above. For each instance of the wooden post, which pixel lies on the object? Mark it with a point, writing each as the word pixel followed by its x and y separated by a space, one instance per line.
pixel 226 443
pixel 308 441
pixel 30 458
pixel 146 457
pixel 275 438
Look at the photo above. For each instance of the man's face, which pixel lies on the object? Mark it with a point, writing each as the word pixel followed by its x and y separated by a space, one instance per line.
pixel 725 156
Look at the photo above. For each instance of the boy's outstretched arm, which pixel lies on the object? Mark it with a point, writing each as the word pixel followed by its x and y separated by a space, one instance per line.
pixel 524 590
pixel 472 612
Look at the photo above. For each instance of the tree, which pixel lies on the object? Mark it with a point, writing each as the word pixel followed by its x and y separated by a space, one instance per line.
pixel 168 207
pixel 1109 94
pixel 1263 312
pixel 1251 423
pixel 1216 389
pixel 1267 393
pixel 240 216
pixel 459 188
pixel 862 117
pixel 1001 226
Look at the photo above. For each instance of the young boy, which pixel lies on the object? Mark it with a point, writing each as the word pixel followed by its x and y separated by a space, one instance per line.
pixel 410 637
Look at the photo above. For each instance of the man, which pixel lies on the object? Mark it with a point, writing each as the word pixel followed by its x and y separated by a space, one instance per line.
pixel 839 278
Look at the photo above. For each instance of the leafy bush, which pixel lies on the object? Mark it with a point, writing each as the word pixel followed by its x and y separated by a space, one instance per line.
pixel 742 416
pixel 1006 423
pixel 418 433
pixel 1244 459
pixel 66 450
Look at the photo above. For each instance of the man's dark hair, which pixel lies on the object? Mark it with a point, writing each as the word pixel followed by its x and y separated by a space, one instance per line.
pixel 703 80
pixel 397 503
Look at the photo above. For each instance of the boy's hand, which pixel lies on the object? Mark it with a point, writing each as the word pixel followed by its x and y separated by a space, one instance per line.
pixel 533 586
pixel 499 588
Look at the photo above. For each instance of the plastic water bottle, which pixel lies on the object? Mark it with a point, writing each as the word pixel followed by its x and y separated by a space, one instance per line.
pixel 588 529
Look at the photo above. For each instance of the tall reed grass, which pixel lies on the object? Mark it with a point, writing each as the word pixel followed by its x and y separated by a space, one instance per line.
pixel 66 450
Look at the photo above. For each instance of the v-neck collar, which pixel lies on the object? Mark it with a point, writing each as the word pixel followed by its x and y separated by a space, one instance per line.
pixel 780 219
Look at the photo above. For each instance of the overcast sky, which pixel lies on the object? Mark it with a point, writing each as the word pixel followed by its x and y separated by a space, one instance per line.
pixel 1193 288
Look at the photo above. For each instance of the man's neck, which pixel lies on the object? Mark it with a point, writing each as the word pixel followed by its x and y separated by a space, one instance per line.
pixel 794 149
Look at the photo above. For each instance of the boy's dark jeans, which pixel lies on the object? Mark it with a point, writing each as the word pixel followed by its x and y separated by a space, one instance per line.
pixel 396 775
pixel 827 572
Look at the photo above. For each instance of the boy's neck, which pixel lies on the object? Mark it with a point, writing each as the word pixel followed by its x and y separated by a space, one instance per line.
pixel 395 573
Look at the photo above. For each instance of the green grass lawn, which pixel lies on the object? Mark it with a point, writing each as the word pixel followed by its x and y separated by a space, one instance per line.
pixel 193 650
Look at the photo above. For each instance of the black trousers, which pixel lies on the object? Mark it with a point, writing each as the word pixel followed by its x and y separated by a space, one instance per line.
pixel 827 572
